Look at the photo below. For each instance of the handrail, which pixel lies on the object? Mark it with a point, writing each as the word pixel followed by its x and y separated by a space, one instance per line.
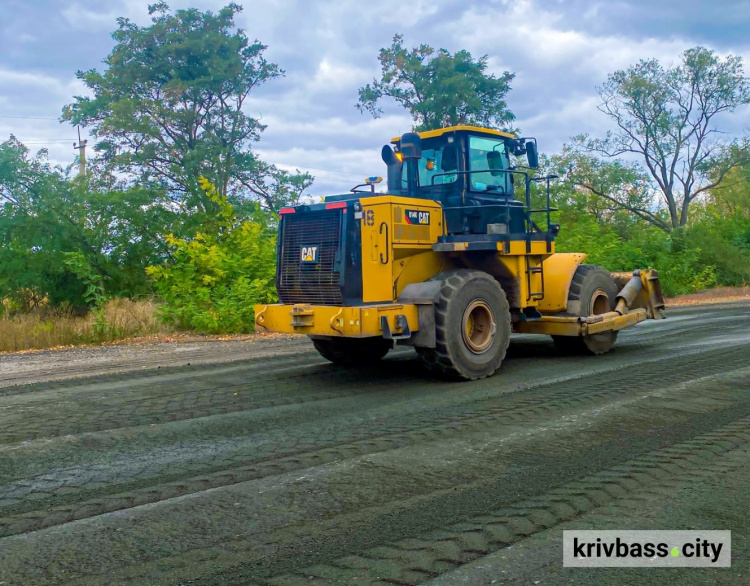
pixel 531 226
pixel 493 205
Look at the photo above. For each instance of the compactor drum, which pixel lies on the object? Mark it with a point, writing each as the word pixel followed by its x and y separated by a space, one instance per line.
pixel 449 260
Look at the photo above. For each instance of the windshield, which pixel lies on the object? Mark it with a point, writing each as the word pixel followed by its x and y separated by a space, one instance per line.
pixel 438 160
pixel 488 154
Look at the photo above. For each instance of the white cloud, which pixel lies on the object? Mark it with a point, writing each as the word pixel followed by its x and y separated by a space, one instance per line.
pixel 81 16
pixel 332 76
pixel 28 81
pixel 539 39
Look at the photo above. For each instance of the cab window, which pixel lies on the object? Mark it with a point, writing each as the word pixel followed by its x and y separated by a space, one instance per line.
pixel 436 163
pixel 490 156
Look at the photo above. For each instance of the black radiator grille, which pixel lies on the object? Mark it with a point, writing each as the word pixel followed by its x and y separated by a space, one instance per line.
pixel 315 283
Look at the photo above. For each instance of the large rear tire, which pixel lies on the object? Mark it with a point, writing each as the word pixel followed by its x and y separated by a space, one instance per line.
pixel 352 351
pixel 593 291
pixel 472 326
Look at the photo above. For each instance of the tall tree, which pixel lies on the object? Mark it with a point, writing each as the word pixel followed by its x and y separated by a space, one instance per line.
pixel 667 118
pixel 169 107
pixel 438 89
pixel 608 188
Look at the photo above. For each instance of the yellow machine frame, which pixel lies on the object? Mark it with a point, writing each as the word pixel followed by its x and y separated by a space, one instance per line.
pixel 396 254
pixel 402 247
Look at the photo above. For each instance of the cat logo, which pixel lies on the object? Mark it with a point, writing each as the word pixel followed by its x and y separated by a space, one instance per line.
pixel 309 254
pixel 418 217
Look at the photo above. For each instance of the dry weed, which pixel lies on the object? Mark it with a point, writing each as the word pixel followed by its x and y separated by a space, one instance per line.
pixel 45 329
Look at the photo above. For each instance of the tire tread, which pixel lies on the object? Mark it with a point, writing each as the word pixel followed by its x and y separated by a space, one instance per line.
pixel 438 360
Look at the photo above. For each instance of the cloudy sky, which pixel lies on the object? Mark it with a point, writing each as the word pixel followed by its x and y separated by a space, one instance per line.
pixel 560 51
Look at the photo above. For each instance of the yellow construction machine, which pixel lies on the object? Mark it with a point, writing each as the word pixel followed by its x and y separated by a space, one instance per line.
pixel 448 261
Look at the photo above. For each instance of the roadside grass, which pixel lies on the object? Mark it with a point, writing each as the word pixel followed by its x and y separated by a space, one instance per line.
pixel 121 318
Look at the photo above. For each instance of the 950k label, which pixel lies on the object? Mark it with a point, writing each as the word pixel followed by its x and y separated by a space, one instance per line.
pixel 417 217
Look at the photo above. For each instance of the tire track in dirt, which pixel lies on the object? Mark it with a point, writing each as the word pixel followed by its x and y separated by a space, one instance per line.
pixel 416 560
pixel 23 370
pixel 511 400
pixel 341 535
pixel 178 403
pixel 29 507
pixel 170 375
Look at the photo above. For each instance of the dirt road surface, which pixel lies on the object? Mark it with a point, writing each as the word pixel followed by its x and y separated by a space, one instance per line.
pixel 260 463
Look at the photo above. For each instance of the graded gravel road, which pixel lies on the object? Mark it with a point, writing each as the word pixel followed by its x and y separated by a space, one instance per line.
pixel 257 462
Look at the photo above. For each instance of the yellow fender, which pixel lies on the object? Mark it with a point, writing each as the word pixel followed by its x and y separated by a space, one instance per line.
pixel 558 274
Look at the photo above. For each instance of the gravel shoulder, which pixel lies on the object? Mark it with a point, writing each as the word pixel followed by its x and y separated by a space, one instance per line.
pixel 85 361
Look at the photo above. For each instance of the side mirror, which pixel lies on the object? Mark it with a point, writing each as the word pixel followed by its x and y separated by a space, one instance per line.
pixel 411 146
pixel 495 163
pixel 532 154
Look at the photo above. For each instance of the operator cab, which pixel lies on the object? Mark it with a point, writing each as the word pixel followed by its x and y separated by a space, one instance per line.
pixel 468 170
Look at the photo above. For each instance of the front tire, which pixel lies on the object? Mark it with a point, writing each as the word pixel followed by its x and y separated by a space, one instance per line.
pixel 352 351
pixel 472 326
pixel 593 291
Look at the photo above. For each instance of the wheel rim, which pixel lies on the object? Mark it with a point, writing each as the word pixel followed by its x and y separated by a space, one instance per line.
pixel 599 302
pixel 478 326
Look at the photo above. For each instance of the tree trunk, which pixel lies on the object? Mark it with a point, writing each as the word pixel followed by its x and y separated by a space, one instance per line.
pixel 673 215
pixel 685 210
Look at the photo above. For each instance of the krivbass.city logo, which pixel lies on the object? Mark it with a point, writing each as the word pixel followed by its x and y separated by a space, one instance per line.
pixel 647 549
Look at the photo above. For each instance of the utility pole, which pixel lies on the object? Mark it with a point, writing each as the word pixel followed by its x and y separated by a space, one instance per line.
pixel 80 146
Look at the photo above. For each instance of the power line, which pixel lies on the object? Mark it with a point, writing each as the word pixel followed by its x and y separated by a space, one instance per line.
pixel 36 141
pixel 46 140
pixel 332 180
pixel 44 144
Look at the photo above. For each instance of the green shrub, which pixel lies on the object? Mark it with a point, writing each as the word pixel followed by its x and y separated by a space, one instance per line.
pixel 214 279
pixel 682 264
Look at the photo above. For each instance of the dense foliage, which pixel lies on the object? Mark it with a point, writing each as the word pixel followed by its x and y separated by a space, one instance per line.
pixel 213 280
pixel 45 217
pixel 712 249
pixel 177 207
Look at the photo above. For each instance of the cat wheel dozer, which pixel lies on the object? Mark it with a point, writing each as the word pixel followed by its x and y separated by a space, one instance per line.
pixel 448 261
